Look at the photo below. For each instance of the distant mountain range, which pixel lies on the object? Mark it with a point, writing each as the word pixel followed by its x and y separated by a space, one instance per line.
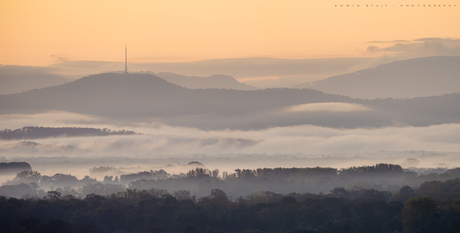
pixel 235 67
pixel 144 97
pixel 419 77
pixel 16 79
pixel 214 81
pixel 129 95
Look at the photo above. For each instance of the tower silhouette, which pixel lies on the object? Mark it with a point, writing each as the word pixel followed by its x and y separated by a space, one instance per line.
pixel 126 59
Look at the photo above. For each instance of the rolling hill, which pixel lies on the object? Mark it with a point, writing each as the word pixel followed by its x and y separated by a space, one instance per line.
pixel 428 76
pixel 144 97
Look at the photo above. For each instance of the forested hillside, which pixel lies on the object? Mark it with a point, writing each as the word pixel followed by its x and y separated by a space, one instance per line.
pixel 158 211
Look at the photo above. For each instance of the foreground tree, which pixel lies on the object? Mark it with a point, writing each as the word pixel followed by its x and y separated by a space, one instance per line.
pixel 420 215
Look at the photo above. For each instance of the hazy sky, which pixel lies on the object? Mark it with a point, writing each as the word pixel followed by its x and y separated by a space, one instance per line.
pixel 49 31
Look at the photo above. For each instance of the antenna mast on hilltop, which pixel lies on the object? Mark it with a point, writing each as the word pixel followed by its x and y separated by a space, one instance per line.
pixel 126 59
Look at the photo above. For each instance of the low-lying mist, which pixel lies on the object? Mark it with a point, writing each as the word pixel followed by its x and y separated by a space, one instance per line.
pixel 160 148
pixel 158 140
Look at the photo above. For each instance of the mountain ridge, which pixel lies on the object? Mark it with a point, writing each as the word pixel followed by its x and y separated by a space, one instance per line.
pixel 144 97
pixel 419 77
pixel 146 93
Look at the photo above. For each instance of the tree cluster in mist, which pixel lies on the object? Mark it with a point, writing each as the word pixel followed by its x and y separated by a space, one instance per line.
pixel 242 182
pixel 106 169
pixel 31 132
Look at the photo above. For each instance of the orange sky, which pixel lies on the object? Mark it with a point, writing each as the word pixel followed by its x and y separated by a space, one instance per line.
pixel 48 31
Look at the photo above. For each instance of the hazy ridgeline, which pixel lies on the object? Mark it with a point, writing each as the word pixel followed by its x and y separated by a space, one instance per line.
pixel 355 77
pixel 401 79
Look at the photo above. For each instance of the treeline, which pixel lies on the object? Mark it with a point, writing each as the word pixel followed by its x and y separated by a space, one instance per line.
pixel 35 132
pixel 425 209
pixel 200 181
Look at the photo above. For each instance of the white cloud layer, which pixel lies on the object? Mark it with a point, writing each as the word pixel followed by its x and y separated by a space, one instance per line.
pixel 162 140
pixel 328 107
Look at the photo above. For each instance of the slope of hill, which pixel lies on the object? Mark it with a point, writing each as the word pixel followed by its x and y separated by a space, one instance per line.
pixel 214 81
pixel 143 97
pixel 16 83
pixel 419 77
pixel 119 95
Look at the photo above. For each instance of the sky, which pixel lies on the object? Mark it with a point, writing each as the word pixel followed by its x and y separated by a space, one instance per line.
pixel 46 32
